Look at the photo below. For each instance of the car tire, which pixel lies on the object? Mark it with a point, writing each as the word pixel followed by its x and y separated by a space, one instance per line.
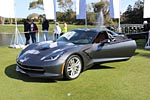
pixel 73 67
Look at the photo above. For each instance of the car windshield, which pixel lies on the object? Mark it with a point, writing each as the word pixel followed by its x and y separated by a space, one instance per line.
pixel 78 37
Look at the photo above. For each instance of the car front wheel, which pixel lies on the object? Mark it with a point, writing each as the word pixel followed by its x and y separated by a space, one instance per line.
pixel 73 67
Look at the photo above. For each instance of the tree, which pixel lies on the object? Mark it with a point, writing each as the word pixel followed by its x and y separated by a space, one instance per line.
pixel 103 6
pixel 89 7
pixel 129 9
pixel 134 15
pixel 2 20
pixel 65 5
pixel 66 14
pixel 138 4
pixel 127 15
pixel 36 4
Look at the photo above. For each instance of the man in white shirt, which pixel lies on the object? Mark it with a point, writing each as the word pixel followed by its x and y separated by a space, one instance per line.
pixel 57 31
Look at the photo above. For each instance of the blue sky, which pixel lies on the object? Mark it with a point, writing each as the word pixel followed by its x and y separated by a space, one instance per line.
pixel 23 5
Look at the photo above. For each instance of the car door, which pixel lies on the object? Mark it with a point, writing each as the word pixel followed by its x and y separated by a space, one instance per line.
pixel 111 49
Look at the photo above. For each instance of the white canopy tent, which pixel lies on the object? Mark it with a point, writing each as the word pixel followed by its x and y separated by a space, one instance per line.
pixel 7 10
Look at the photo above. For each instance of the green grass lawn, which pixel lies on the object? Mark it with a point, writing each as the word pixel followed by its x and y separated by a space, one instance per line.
pixel 129 80
pixel 11 28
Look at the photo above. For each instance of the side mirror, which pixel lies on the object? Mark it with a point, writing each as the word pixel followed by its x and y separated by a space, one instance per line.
pixel 101 44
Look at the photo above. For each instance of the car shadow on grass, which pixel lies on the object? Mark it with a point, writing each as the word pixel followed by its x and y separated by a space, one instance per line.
pixel 10 71
pixel 95 67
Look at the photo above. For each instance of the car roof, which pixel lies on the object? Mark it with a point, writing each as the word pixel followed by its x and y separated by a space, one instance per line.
pixel 97 29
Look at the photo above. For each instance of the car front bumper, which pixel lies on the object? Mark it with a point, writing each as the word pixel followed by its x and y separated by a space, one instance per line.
pixel 55 72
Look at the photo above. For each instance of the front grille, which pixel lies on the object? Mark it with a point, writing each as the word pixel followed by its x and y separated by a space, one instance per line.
pixel 31 68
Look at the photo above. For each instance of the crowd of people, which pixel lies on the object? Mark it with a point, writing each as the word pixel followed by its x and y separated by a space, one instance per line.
pixel 30 30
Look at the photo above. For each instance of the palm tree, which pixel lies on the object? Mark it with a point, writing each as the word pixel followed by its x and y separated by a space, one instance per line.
pixel 65 5
pixel 103 6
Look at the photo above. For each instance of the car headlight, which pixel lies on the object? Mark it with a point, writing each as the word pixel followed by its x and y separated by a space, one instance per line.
pixel 22 51
pixel 52 56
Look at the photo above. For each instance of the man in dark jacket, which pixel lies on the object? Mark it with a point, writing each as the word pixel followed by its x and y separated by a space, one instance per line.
pixel 26 31
pixel 45 27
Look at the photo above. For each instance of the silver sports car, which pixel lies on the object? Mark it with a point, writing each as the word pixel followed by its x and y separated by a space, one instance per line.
pixel 74 52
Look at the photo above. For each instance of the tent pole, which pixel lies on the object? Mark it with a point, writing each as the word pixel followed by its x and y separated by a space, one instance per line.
pixel 86 22
pixel 15 43
pixel 119 28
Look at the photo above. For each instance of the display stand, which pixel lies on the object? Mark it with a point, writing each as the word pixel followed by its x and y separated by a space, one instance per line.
pixel 16 41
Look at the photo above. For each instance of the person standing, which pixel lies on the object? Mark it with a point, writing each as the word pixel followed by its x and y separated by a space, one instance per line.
pixel 146 29
pixel 45 27
pixel 57 31
pixel 26 31
pixel 33 30
pixel 64 30
pixel 145 25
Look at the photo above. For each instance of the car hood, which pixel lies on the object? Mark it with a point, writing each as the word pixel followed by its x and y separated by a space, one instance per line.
pixel 36 53
pixel 52 46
